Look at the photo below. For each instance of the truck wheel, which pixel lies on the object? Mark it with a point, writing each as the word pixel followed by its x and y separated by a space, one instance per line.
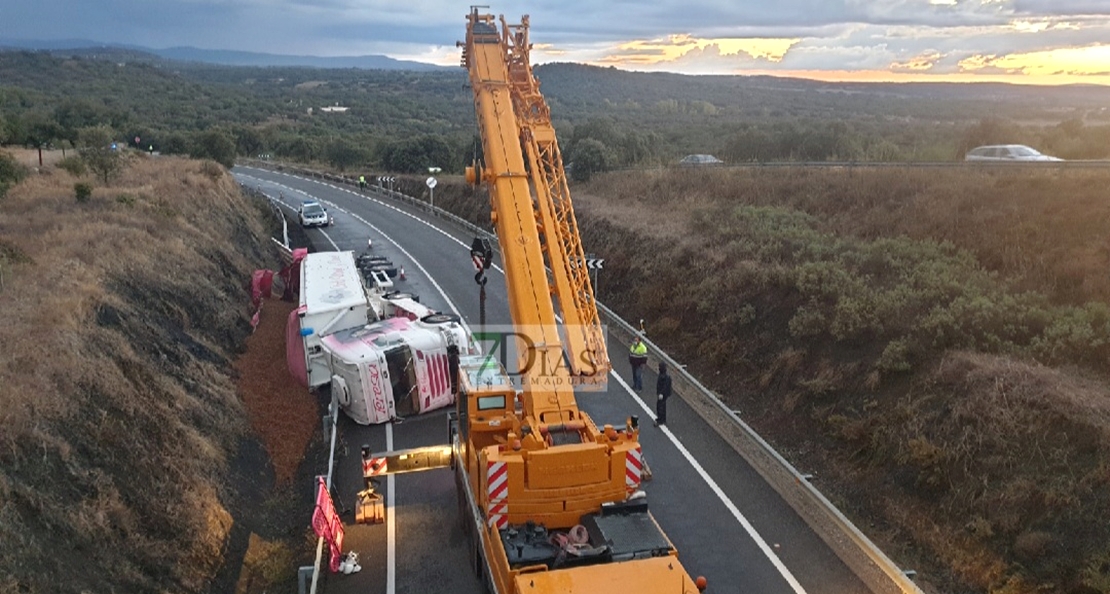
pixel 479 564
pixel 439 318
pixel 401 295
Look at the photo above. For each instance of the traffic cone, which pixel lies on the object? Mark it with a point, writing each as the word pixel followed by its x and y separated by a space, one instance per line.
pixel 401 273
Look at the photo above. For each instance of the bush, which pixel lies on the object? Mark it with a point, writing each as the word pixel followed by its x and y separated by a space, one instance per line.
pixel 11 172
pixel 83 191
pixel 74 165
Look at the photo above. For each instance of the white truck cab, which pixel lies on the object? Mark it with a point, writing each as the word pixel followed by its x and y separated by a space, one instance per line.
pixel 394 367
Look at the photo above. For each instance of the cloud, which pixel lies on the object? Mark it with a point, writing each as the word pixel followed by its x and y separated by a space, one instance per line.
pixel 1024 38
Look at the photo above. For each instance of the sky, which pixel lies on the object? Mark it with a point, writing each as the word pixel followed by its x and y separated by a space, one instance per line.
pixel 1018 41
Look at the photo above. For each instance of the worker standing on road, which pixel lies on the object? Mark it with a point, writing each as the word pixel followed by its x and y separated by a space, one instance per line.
pixel 637 358
pixel 663 392
pixel 362 182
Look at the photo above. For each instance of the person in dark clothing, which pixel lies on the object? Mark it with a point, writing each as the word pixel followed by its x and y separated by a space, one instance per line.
pixel 663 392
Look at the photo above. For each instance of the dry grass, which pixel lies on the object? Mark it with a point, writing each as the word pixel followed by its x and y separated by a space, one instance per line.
pixel 118 413
pixel 1040 227
pixel 983 471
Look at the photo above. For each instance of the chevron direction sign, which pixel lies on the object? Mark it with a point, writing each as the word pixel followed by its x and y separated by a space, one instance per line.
pixel 594 263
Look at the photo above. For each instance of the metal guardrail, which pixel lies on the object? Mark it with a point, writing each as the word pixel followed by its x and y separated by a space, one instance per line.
pixel 857 551
pixel 836 530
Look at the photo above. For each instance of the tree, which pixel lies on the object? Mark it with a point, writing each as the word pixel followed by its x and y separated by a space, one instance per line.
pixel 590 157
pixel 98 153
pixel 40 130
pixel 342 154
pixel 74 114
pixel 216 145
pixel 249 142
pixel 176 143
pixel 416 155
pixel 296 147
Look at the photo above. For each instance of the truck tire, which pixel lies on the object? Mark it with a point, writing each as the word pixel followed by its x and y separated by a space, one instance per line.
pixel 439 318
pixel 402 295
pixel 364 261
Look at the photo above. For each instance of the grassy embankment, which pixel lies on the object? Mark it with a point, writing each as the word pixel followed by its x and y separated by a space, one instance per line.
pixel 933 344
pixel 121 429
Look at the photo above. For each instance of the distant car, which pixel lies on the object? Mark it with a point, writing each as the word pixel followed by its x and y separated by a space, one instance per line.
pixel 313 215
pixel 1006 153
pixel 700 160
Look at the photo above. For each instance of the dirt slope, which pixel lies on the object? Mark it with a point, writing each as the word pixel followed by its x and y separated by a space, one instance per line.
pixel 122 434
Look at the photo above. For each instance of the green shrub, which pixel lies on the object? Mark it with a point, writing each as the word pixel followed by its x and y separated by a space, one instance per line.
pixel 11 173
pixel 126 199
pixel 895 357
pixel 74 165
pixel 83 191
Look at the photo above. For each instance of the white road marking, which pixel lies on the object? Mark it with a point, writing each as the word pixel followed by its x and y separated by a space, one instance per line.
pixel 755 536
pixel 712 484
pixel 390 522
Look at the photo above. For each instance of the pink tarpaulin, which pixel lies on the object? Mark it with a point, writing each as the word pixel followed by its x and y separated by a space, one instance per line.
pixel 262 283
pixel 291 275
pixel 327 525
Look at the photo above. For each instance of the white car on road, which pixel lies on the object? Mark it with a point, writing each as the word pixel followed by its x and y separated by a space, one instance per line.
pixel 1007 152
pixel 313 215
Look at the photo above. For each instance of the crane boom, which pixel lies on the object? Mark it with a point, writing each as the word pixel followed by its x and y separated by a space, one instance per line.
pixel 554 499
pixel 522 159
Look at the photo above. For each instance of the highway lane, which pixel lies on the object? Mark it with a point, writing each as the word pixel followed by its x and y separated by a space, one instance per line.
pixel 725 521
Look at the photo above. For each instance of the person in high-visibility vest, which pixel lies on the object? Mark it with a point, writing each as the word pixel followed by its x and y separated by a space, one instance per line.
pixel 362 182
pixel 637 358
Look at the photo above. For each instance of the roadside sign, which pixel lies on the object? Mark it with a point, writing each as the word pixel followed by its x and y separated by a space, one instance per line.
pixel 431 181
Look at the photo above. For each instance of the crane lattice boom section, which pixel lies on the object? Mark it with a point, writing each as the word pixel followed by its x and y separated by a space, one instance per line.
pixel 520 146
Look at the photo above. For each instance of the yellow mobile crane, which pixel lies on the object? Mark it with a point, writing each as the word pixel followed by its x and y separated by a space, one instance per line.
pixel 552 501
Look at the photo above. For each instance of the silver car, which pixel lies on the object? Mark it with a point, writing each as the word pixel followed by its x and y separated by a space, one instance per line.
pixel 1006 153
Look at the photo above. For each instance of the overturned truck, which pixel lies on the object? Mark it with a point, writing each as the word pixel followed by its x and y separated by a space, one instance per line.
pixel 383 353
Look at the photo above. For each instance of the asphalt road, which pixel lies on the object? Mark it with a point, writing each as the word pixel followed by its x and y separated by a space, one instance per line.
pixel 727 524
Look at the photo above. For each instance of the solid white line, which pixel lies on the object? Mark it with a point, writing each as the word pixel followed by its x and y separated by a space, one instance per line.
pixel 755 536
pixel 390 522
pixel 712 484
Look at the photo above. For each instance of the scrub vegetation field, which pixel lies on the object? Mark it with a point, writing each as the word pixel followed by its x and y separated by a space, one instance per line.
pixel 934 345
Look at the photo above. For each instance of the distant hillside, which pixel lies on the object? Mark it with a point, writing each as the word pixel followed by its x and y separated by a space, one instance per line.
pixel 579 85
pixel 86 47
